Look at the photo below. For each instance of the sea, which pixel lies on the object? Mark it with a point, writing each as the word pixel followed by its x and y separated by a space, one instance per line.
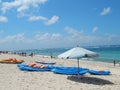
pixel 107 53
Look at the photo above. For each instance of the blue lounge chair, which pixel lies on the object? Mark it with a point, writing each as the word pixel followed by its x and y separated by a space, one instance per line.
pixel 29 68
pixel 102 72
pixel 70 70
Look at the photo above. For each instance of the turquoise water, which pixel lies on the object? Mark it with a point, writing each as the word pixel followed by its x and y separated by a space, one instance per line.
pixel 106 54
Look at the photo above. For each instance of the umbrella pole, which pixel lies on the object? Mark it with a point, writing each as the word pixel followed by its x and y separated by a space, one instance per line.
pixel 78 65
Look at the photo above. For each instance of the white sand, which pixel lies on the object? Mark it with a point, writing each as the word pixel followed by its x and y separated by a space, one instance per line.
pixel 11 78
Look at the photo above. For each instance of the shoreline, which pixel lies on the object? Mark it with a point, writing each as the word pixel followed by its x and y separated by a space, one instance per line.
pixel 46 57
pixel 26 53
pixel 11 78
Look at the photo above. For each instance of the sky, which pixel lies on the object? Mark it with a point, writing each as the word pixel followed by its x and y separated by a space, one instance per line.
pixel 35 24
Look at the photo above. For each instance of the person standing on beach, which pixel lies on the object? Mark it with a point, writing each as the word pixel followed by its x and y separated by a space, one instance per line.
pixel 31 54
pixel 114 63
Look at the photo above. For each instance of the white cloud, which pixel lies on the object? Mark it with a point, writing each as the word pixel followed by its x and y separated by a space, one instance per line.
pixel 20 41
pixel 51 21
pixel 47 36
pixel 42 37
pixel 95 29
pixel 21 5
pixel 56 35
pixel 22 8
pixel 46 21
pixel 74 33
pixel 3 19
pixel 25 5
pixel 76 37
pixel 36 18
pixel 105 11
pixel 13 38
pixel 50 40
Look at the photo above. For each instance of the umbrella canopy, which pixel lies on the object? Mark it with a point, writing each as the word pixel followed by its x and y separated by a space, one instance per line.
pixel 77 52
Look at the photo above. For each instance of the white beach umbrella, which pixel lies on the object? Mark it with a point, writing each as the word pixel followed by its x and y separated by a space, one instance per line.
pixel 77 52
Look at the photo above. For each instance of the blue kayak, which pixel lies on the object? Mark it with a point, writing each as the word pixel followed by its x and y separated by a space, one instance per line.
pixel 70 70
pixel 94 72
pixel 29 68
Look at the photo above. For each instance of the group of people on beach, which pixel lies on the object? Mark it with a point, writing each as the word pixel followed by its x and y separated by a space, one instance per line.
pixel 17 53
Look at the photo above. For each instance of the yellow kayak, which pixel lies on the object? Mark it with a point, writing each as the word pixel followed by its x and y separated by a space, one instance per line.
pixel 11 61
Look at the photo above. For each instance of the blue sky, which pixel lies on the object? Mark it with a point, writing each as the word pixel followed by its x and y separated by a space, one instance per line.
pixel 34 24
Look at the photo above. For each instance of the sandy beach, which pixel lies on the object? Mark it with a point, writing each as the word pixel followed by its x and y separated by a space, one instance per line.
pixel 11 78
